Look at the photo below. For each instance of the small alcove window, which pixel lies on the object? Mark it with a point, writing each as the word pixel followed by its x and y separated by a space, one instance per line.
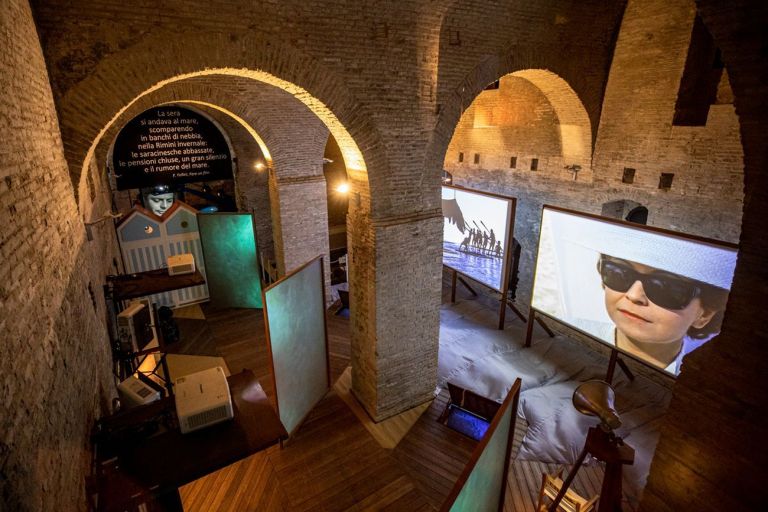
pixel 665 180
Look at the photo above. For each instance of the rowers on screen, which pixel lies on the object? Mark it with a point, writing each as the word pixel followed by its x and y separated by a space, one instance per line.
pixel 481 241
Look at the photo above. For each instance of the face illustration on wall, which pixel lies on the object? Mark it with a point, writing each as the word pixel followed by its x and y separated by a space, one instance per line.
pixel 159 199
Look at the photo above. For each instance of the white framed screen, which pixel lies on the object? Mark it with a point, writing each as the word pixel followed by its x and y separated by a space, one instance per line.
pixel 650 293
pixel 477 229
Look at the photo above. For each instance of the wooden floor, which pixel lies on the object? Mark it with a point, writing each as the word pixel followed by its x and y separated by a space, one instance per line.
pixel 333 463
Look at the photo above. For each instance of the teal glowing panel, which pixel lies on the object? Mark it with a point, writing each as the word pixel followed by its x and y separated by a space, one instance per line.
pixel 231 260
pixel 482 488
pixel 294 309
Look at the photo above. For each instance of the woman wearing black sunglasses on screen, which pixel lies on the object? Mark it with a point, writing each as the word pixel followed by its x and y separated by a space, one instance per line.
pixel 659 316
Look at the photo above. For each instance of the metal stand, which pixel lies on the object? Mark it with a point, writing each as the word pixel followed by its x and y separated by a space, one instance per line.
pixel 504 300
pixel 529 328
pixel 454 277
pixel 612 367
pixel 610 449
pixel 127 362
pixel 515 310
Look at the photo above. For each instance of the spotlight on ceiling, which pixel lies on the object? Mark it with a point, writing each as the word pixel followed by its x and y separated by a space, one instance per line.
pixel 259 165
pixel 343 187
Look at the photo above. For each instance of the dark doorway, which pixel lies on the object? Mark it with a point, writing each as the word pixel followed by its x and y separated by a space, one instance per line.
pixel 638 215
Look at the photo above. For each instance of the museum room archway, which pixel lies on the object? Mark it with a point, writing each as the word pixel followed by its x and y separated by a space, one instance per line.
pixel 545 163
pixel 358 224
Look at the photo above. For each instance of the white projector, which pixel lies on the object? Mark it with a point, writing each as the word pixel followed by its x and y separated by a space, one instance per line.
pixel 181 264
pixel 134 391
pixel 202 399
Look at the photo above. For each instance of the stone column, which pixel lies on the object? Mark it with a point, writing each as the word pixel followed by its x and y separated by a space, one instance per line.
pixel 394 282
pixel 299 221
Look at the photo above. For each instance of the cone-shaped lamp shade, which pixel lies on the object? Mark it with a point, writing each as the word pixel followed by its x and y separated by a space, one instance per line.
pixel 595 398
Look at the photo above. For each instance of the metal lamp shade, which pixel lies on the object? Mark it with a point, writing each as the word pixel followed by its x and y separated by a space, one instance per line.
pixel 596 398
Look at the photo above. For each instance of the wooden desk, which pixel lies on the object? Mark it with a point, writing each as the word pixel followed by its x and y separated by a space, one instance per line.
pixel 140 458
pixel 132 286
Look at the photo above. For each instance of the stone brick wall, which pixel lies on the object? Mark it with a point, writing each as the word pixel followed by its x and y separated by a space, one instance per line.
pixel 711 455
pixel 514 121
pixel 635 131
pixel 303 220
pixel 408 251
pixel 396 78
pixel 54 355
pixel 636 128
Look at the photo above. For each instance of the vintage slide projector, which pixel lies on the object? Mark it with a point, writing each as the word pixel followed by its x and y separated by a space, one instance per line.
pixel 181 264
pixel 202 399
pixel 134 327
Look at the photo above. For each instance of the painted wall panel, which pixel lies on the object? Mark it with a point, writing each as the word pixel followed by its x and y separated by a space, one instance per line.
pixel 294 308
pixel 232 261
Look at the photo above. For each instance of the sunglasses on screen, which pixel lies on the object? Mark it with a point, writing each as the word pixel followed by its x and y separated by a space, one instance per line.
pixel 664 290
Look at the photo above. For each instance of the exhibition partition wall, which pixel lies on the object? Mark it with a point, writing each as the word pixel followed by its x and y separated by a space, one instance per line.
pixel 481 486
pixel 297 339
pixel 652 294
pixel 232 260
pixel 477 237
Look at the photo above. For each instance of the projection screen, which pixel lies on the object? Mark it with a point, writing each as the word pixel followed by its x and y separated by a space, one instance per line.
pixel 653 294
pixel 477 230
pixel 294 313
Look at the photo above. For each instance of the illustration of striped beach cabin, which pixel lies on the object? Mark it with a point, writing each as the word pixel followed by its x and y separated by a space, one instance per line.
pixel 147 240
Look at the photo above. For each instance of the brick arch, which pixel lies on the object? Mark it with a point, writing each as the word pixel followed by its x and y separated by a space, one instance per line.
pixel 579 135
pixel 243 101
pixel 482 41
pixel 285 130
pixel 88 109
pixel 573 120
pixel 239 120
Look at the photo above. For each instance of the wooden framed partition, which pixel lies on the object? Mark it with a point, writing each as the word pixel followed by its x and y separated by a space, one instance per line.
pixel 481 485
pixel 297 341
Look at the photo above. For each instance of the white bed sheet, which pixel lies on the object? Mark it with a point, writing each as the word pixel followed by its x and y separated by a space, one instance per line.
pixel 477 357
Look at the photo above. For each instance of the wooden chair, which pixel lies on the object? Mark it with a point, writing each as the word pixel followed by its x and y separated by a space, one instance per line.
pixel 571 502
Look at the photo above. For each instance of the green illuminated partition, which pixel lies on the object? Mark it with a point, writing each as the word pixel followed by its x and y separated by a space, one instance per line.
pixel 480 488
pixel 294 313
pixel 231 261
